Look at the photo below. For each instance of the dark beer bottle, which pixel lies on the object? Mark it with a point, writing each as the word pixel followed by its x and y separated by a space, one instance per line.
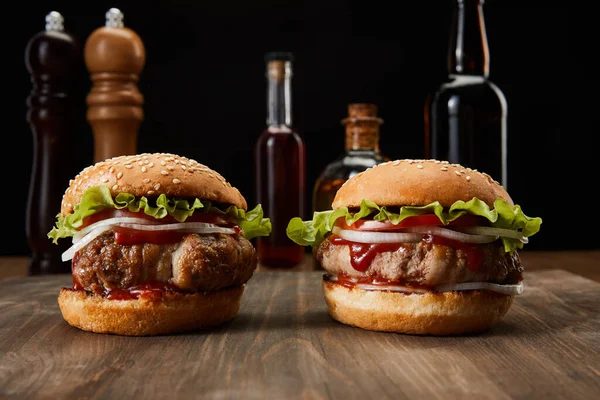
pixel 466 118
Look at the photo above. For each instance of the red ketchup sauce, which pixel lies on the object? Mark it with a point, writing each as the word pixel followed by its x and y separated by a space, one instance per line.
pixel 149 290
pixel 361 254
pixel 351 282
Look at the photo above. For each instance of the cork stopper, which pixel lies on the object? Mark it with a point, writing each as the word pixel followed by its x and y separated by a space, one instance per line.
pixel 362 127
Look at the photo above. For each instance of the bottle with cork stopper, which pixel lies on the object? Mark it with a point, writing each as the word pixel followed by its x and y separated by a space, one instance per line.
pixel 53 59
pixel 362 151
pixel 115 57
pixel 280 167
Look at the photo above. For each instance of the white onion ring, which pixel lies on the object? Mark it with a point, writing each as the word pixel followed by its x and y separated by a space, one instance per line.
pixel 511 290
pixel 376 237
pixel 451 234
pixel 109 222
pixel 195 227
pixel 488 230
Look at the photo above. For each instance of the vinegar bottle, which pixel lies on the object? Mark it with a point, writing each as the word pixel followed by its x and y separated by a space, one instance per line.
pixel 465 119
pixel 280 168
pixel 361 152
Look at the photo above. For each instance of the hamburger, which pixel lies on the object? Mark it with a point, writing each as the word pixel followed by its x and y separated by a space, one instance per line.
pixel 160 244
pixel 419 247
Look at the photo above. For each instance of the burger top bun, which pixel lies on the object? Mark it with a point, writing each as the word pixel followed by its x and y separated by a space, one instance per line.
pixel 418 183
pixel 151 175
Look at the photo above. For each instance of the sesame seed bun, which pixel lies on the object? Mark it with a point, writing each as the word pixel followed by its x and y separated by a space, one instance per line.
pixel 151 175
pixel 418 182
pixel 440 314
pixel 172 313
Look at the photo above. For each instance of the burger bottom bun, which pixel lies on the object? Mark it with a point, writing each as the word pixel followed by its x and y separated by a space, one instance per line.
pixel 171 313
pixel 441 314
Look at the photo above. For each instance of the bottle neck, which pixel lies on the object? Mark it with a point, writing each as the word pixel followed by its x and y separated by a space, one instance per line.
pixel 279 94
pixel 362 134
pixel 468 51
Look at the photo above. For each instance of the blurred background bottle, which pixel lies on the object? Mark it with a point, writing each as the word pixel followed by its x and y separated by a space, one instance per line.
pixel 361 152
pixel 53 58
pixel 466 118
pixel 280 167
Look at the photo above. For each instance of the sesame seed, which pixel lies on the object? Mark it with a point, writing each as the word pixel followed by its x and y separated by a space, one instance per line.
pixel 462 171
pixel 140 163
pixel 150 191
pixel 183 167
pixel 144 169
pixel 105 180
pixel 419 166
pixel 146 162
pixel 146 180
pixel 69 205
pixel 163 163
pixel 111 170
pixel 397 162
pixel 176 181
pixel 128 166
pixel 444 168
pixel 151 165
pixel 468 178
pixel 176 161
pixel 457 173
pixel 170 167
pixel 157 186
pixel 115 187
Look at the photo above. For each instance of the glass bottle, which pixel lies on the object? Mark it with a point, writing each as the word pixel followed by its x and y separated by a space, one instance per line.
pixel 361 152
pixel 466 118
pixel 280 168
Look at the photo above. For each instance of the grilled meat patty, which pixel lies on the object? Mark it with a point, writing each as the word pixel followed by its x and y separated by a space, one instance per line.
pixel 197 263
pixel 426 264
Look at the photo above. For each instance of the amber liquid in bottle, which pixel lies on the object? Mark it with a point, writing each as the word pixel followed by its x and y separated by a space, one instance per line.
pixel 466 118
pixel 280 169
pixel 361 152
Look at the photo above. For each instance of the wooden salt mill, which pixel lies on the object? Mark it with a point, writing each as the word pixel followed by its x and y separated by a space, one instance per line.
pixel 53 59
pixel 115 57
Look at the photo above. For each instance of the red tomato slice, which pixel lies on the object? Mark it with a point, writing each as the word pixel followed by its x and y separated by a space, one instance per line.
pixel 208 217
pixel 419 220
pixel 126 236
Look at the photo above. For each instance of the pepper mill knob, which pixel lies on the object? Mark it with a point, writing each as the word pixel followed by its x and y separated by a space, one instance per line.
pixel 115 57
pixel 53 60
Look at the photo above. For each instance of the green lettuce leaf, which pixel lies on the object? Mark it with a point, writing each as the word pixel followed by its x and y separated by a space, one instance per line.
pixel 503 215
pixel 98 198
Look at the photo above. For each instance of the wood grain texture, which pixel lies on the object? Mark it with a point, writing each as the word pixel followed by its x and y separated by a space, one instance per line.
pixel 284 345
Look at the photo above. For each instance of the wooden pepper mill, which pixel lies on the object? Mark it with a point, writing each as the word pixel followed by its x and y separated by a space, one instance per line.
pixel 115 57
pixel 53 58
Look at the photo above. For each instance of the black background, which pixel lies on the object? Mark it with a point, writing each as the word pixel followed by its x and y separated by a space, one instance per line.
pixel 205 92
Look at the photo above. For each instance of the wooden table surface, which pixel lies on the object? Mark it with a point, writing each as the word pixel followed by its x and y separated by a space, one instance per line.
pixel 283 344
